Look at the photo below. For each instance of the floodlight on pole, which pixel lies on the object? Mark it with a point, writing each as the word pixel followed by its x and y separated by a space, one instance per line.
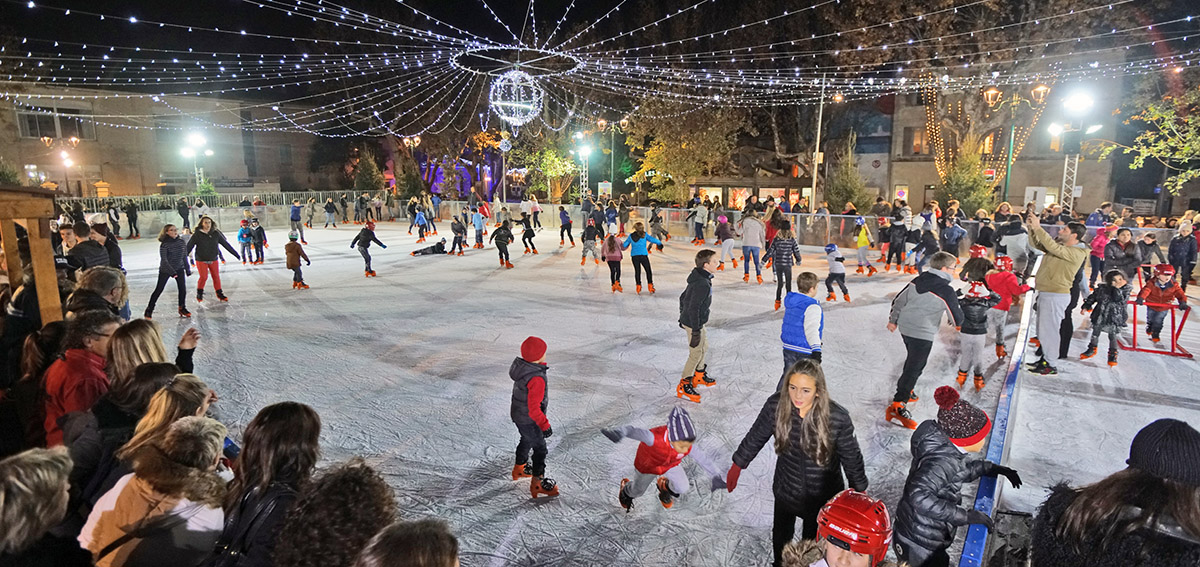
pixel 208 153
pixel 1078 103
pixel 1055 129
pixel 187 152
pixel 1093 128
pixel 196 140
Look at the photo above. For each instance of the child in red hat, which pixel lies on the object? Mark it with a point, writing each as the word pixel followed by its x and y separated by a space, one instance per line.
pixel 528 412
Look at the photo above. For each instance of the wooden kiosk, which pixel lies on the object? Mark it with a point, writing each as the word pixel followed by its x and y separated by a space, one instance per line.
pixel 32 207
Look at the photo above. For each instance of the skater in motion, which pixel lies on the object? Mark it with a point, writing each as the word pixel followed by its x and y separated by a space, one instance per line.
pixel 639 253
pixel 528 412
pixel 363 241
pixel 564 227
pixel 503 236
pixel 815 444
pixel 975 305
pixel 783 250
pixel 659 453
pixel 613 256
pixel 294 219
pixel 1107 304
pixel 422 224
pixel 837 273
pixel 206 241
pixel 1181 253
pixel 294 253
pixel 754 234
pixel 460 235
pixel 258 238
pixel 803 324
pixel 1159 293
pixel 172 263
pixel 245 240
pixel 527 233
pixel 862 239
pixel 591 233
pixel 694 305
pixel 477 220
pixel 725 236
pixel 438 248
pixel 331 212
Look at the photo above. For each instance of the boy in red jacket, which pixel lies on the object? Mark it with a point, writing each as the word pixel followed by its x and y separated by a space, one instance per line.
pixel 662 449
pixel 1003 282
pixel 1159 294
pixel 528 412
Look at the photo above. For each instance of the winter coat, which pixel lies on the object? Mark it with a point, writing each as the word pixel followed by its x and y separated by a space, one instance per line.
pixel 803 323
pixel 696 299
pixel 918 308
pixel 244 235
pixel 799 481
pixel 1164 545
pixel 951 237
pixel 658 456
pixel 591 233
pixel 1151 253
pixel 531 393
pixel 502 237
pixel 89 254
pixel 784 250
pixel 330 207
pixel 986 237
pixel 294 253
pixel 930 509
pixel 205 244
pixel 754 233
pixel 1127 257
pixel 159 487
pixel 114 253
pixel 1059 265
pixel 172 253
pixel 364 238
pixel 638 246
pixel 623 213
pixel 1098 218
pixel 73 383
pixel 1007 285
pixel 1107 304
pixel 701 213
pixel 258 235
pixel 295 213
pixel 131 212
pixel 564 218
pixel 252 528
pixel 87 300
pixel 611 255
pixel 724 232
pixel 1182 250
pixel 457 228
pixel 1098 243
pixel 611 215
pixel 928 245
pixel 897 234
pixel 1155 293
pixel 837 262
pixel 975 310
pixel 477 221
pixel 93 436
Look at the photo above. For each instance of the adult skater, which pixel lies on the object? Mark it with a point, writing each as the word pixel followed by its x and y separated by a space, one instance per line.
pixel 640 254
pixel 754 239
pixel 131 218
pixel 331 211
pixel 815 444
pixel 206 241
pixel 660 451
pixel 185 213
pixel 1065 255
pixel 783 249
pixel 362 241
pixel 172 263
pixel 294 219
pixel 438 248
pixel 694 304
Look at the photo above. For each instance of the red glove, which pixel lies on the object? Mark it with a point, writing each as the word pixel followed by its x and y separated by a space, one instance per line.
pixel 265 245
pixel 731 478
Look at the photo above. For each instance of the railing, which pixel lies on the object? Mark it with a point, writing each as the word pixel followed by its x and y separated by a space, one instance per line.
pixel 222 200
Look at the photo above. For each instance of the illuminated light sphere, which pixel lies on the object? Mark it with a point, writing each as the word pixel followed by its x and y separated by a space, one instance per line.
pixel 505 145
pixel 516 97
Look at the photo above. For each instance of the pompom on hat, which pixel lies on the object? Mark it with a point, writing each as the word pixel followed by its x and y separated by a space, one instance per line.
pixel 533 349
pixel 964 424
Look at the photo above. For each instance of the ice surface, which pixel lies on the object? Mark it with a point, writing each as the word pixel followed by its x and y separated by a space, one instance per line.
pixel 409 370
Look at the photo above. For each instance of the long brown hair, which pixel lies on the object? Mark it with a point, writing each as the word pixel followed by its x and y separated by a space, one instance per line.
pixel 280 445
pixel 815 437
pixel 162 234
pixel 610 244
pixel 40 350
pixel 1099 513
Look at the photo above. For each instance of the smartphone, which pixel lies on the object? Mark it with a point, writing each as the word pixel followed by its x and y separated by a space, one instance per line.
pixel 232 450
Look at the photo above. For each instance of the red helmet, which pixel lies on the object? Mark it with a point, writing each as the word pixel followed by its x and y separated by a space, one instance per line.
pixel 854 521
pixel 1004 263
pixel 978 251
pixel 370 225
pixel 1164 270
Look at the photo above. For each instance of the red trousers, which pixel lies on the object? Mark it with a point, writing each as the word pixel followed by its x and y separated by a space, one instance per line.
pixel 205 268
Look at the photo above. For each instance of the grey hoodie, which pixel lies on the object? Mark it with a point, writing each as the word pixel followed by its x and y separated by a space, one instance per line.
pixel 918 308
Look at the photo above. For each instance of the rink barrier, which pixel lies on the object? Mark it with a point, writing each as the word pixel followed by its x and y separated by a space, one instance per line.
pixel 1176 331
pixel 975 546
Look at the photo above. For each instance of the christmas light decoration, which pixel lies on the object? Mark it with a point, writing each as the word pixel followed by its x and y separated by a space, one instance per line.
pixel 516 97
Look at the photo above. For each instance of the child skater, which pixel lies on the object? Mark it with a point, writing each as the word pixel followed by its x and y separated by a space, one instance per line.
pixel 294 253
pixel 815 444
pixel 422 225
pixel 438 247
pixel 460 235
pixel 480 223
pixel 1107 304
pixel 528 232
pixel 656 226
pixel 1159 293
pixel 503 236
pixel 977 266
pixel 244 239
pixel 783 250
pixel 564 227
pixel 862 239
pixel 803 323
pixel 363 241
pixel 837 272
pixel 659 453
pixel 613 255
pixel 724 233
pixel 258 237
pixel 975 305
pixel 591 234
pixel 930 509
pixel 528 412
pixel 1004 282
pixel 640 254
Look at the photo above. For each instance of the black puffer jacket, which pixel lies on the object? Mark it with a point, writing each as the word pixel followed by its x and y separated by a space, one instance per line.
pixel 930 509
pixel 89 254
pixel 696 299
pixel 1108 305
pixel 87 300
pixel 206 244
pixel 1166 546
pixel 975 310
pixel 798 479
pixel 1126 257
pixel 522 371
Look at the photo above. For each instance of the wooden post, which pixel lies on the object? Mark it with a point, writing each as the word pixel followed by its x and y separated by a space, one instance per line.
pixel 44 274
pixel 8 232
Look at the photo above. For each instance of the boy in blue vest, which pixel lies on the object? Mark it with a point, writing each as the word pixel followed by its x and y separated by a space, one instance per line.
pixel 803 323
pixel 528 411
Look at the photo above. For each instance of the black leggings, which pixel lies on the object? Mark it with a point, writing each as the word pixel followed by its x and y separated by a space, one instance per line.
pixel 895 253
pixel 640 262
pixel 502 250
pixel 782 278
pixel 180 281
pixel 536 222
pixel 566 229
pixel 527 239
pixel 784 528
pixel 614 270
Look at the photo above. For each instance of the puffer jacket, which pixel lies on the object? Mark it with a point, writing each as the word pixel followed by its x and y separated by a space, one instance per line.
pixel 1126 257
pixel 172 253
pixel 798 479
pixel 1164 545
pixel 696 299
pixel 930 509
pixel 975 310
pixel 523 410
pixel 1151 253
pixel 1108 306
pixel 89 254
pixel 1182 250
pixel 784 250
pixel 754 233
pixel 1098 243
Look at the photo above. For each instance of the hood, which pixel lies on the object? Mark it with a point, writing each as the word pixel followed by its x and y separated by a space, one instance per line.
pixel 522 369
pixel 698 274
pixel 930 279
pixel 168 477
pixel 930 440
pixel 85 300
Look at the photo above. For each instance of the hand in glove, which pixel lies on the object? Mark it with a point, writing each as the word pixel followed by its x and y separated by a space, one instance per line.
pixel 547 433
pixel 265 245
pixel 1013 478
pixel 731 478
pixel 613 435
pixel 1184 307
pixel 352 247
pixel 816 355
pixel 977 517
pixel 383 246
pixel 1141 301
pixel 718 483
pixel 695 342
pixel 308 262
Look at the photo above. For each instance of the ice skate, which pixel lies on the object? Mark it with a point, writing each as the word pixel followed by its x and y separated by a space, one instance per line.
pixel 721 267
pixel 508 265
pixel 542 486
pixel 871 271
pixel 898 414
pixel 734 260
pixel 665 496
pixel 561 243
pixel 685 390
pixel 614 288
pixel 367 273
pixel 183 312
pixel 502 262
pixel 638 288
pixel 860 270
pixel 596 260
pixel 303 285
pixel 846 297
pixel 1001 352
pixel 887 267
pixel 831 297
pixel 1090 352
pixel 243 261
pixel 777 304
pixel 962 378
pixel 700 242
pixel 583 261
pixel 746 278
pixel 626 501
pixel 979 382
pixel 199 296
pixel 759 279
pixel 420 240
pixel 1035 342
pixel 1112 357
pixel 460 253
pixel 1154 338
pixel 222 261
pixel 700 378
pixel 535 251
pixel 912 397
pixel 523 470
pixel 526 250
pixel 221 296
pixel 149 314
pixel 619 288
pixel 881 259
pixel 767 266
pixel 651 286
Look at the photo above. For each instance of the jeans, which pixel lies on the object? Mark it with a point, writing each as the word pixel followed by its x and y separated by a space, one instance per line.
pixel 296 275
pixel 640 262
pixel 532 439
pixel 537 223
pixel 459 243
pixel 784 528
pixel 246 248
pixel 502 251
pixel 1051 308
pixel 1154 320
pixel 330 220
pixel 699 230
pixel 914 364
pixel 180 281
pixel 133 227
pixel 1097 270
pixel 366 254
pixel 186 220
pixel 751 252
pixel 258 250
pixel 839 279
pixel 790 357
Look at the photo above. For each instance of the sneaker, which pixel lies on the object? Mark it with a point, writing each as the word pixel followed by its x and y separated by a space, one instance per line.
pixel 665 496
pixel 1043 368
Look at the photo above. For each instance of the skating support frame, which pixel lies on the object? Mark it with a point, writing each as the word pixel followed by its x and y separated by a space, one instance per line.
pixel 1176 331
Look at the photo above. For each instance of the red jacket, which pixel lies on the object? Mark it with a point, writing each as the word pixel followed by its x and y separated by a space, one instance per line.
pixel 659 457
pixel 73 383
pixel 1152 293
pixel 1006 285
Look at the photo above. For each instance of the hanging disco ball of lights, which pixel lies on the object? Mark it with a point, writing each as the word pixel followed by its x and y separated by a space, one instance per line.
pixel 505 145
pixel 516 97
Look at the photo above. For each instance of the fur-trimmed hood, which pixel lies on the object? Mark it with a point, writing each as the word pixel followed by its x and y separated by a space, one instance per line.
pixel 806 552
pixel 168 477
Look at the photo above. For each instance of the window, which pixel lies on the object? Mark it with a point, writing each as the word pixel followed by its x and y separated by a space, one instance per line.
pixel 988 145
pixel 914 141
pixel 285 154
pixel 36 123
pixel 55 122
pixel 75 126
pixel 35 175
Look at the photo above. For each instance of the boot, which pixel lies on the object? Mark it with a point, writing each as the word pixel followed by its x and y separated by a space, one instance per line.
pixel 1001 352
pixel 523 470
pixel 831 297
pixel 1112 357
pixel 199 296
pixel 651 288
pixel 638 287
pixel 508 265
pixel 871 271
pixel 303 285
pixel 721 267
pixel 1090 352
pixel 540 485
pixel 183 312
pixel 583 261
pixel 619 288
pixel 734 260
pixel 700 378
pixel 962 378
pixel 746 278
pixel 221 296
pixel 373 274
pixel 626 501
pixel 685 390
pixel 898 414
pixel 777 305
pixel 887 267
pixel 979 382
pixel 665 496
pixel 759 279
pixel 846 297
pixel 859 270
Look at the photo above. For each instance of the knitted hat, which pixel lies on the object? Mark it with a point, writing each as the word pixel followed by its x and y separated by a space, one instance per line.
pixel 1167 448
pixel 722 218
pixel 245 222
pixel 533 349
pixel 293 236
pixel 679 426
pixel 964 423
pixel 1111 228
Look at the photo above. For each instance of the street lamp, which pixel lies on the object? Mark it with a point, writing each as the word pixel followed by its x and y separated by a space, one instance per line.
pixel 1076 104
pixel 995 100
pixel 196 141
pixel 411 142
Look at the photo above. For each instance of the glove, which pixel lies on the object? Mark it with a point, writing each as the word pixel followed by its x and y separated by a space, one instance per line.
pixel 1013 478
pixel 613 435
pixel 816 355
pixel 307 262
pixel 977 517
pixel 717 483
pixel 731 478
pixel 383 246
pixel 352 247
pixel 547 433
pixel 1184 307
pixel 695 342
pixel 265 245
pixel 1141 301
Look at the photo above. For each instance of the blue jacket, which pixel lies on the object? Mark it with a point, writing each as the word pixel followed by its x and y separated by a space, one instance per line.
pixel 611 215
pixel 1182 250
pixel 639 245
pixel 296 212
pixel 421 218
pixel 477 220
pixel 563 217
pixel 244 235
pixel 1097 218
pixel 793 336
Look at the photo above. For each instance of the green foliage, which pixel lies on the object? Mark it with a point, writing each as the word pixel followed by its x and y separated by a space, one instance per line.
pixel 845 184
pixel 965 181
pixel 9 174
pixel 206 188
pixel 677 147
pixel 410 185
pixel 367 178
pixel 670 192
pixel 1171 136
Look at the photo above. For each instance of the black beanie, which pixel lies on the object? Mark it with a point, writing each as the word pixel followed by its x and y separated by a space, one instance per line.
pixel 1167 448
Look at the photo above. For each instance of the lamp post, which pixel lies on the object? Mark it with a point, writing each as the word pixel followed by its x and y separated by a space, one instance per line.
pixel 411 142
pixel 612 128
pixel 73 142
pixel 995 100
pixel 1076 104
pixel 196 141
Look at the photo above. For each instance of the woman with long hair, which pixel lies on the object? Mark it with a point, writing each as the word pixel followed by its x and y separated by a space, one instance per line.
pixel 22 410
pixel 172 254
pixel 138 342
pixel 611 252
pixel 279 451
pixel 205 241
pixel 815 444
pixel 640 254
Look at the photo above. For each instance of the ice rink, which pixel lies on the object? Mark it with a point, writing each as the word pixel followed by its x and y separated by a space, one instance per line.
pixel 409 370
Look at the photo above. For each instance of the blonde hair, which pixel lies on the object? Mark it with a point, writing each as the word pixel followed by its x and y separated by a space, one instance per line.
pixel 815 438
pixel 133 344
pixel 193 441
pixel 32 496
pixel 182 397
